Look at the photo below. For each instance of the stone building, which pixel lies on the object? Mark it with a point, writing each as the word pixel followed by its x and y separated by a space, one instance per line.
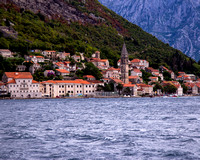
pixel 124 65
pixel 59 88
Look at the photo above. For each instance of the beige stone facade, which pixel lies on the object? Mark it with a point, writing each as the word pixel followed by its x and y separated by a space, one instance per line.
pixel 72 88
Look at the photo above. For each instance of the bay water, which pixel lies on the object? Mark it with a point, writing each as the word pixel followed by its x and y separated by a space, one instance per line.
pixel 95 128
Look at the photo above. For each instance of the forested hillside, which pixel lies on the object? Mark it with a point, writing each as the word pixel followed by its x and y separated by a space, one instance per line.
pixel 88 26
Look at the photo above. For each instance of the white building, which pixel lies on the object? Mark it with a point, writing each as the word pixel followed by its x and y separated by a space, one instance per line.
pixel 6 53
pixel 21 85
pixel 136 72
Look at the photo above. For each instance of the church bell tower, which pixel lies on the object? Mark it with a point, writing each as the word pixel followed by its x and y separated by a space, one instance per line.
pixel 124 65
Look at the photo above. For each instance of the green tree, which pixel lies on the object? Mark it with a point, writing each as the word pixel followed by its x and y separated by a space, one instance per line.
pixel 170 89
pixel 91 69
pixel 185 88
pixel 167 76
pixel 119 88
pixel 157 86
pixel 145 76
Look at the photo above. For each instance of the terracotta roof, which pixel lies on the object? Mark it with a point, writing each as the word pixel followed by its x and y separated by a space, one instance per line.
pixel 104 60
pixel 77 81
pixel 128 85
pixel 37 56
pixel 49 51
pixel 190 84
pixel 11 81
pixel 33 81
pixel 116 80
pixel 2 83
pixel 113 69
pixel 19 75
pixel 62 70
pixel 133 77
pixel 88 76
pixel 136 70
pixel 153 77
pixel 135 61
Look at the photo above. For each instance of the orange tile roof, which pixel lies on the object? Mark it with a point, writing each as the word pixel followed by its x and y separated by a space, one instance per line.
pixel 153 77
pixel 113 69
pixel 49 51
pixel 116 80
pixel 135 61
pixel 33 81
pixel 128 85
pixel 19 75
pixel 11 81
pixel 104 60
pixel 76 81
pixel 133 77
pixel 67 62
pixel 136 70
pixel 62 70
pixel 88 76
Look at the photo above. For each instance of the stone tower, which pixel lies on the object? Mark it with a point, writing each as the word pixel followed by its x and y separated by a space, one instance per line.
pixel 124 65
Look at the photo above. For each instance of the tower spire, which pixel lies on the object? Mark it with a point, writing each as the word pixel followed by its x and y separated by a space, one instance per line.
pixel 124 65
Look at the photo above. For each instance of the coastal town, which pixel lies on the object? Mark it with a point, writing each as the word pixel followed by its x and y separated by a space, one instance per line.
pixel 77 76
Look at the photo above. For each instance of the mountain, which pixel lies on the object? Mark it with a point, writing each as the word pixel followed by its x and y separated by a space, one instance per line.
pixel 82 26
pixel 176 22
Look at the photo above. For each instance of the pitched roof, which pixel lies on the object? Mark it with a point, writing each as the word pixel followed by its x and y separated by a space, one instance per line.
pixel 113 69
pixel 116 80
pixel 19 75
pixel 128 85
pixel 136 70
pixel 133 77
pixel 62 70
pixel 11 81
pixel 76 81
pixel 135 61
pixel 88 76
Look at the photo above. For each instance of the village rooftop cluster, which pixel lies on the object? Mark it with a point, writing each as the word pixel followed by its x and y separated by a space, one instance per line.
pixel 126 80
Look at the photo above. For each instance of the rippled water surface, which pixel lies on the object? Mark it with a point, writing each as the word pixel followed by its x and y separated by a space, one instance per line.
pixel 111 129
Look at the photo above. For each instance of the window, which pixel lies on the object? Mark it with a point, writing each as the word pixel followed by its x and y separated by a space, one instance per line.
pixel 68 91
pixel 77 86
pixel 59 91
pixel 71 91
pixel 80 86
pixel 33 85
pixel 10 85
pixel 24 81
pixel 77 91
pixel 86 86
pixel 72 86
pixel 89 85
pixel 62 86
pixel 13 85
pixel 62 91
pixel 86 91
